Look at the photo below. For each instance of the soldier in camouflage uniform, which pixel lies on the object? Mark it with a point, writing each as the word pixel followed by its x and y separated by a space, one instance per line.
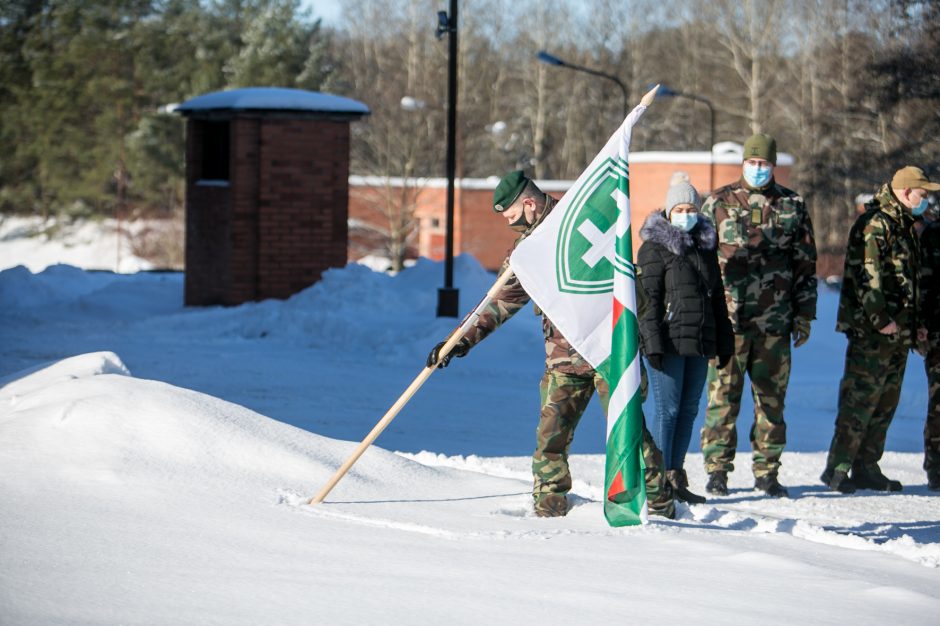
pixel 569 380
pixel 878 312
pixel 767 256
pixel 930 298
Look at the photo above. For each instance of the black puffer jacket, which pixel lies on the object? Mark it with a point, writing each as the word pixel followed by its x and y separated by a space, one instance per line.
pixel 682 306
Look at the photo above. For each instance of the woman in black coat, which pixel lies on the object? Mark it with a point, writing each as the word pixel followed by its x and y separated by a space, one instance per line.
pixel 683 321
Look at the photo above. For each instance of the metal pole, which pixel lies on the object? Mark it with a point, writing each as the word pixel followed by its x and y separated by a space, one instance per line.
pixel 448 296
pixel 551 59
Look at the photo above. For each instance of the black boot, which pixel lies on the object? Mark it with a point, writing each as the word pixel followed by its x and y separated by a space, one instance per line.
pixel 837 480
pixel 717 483
pixel 870 477
pixel 933 482
pixel 680 486
pixel 769 485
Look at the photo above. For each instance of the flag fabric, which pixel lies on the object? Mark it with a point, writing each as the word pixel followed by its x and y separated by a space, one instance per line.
pixel 578 268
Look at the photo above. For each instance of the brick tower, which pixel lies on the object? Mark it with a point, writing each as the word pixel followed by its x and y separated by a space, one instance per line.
pixel 267 191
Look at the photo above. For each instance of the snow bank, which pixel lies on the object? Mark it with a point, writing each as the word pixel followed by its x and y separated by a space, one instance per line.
pixel 37 244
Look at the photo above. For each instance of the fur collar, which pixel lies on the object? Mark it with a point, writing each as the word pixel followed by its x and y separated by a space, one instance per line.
pixel 656 229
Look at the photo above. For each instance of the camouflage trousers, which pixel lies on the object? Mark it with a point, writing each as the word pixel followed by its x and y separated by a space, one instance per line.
pixel 868 397
pixel 766 361
pixel 932 425
pixel 564 399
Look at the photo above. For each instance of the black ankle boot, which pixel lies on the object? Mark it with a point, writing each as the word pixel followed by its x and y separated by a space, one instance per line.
pixel 680 486
pixel 870 477
pixel 771 486
pixel 717 483
pixel 837 480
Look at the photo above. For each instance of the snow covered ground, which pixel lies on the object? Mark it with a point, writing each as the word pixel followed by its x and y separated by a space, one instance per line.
pixel 156 460
pixel 36 244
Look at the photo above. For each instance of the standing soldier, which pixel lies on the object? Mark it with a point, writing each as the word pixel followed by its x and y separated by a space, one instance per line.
pixel 930 297
pixel 767 256
pixel 569 380
pixel 878 313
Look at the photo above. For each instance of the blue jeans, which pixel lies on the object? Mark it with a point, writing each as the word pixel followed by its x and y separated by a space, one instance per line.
pixel 677 393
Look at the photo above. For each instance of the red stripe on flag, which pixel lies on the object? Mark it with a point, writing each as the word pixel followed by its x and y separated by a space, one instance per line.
pixel 618 311
pixel 616 486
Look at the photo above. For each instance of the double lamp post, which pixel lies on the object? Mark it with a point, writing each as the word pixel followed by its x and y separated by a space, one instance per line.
pixel 664 91
pixel 448 295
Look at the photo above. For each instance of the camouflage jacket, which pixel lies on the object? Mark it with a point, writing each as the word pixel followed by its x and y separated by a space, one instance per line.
pixel 767 256
pixel 559 354
pixel 930 277
pixel 879 282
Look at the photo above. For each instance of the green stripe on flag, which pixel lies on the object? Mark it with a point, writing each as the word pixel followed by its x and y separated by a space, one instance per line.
pixel 625 342
pixel 625 460
pixel 624 464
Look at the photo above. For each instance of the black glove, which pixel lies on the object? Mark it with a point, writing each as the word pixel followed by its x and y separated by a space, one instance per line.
pixel 655 361
pixel 800 331
pixel 723 360
pixel 459 350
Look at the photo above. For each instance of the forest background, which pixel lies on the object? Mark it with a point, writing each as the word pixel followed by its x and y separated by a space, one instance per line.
pixel 851 88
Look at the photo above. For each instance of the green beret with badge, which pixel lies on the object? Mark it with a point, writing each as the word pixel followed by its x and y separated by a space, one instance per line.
pixel 508 190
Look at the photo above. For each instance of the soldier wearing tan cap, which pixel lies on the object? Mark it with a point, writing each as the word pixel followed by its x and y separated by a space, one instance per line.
pixel 879 313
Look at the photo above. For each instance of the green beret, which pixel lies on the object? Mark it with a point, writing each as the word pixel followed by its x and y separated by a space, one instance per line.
pixel 508 190
pixel 761 146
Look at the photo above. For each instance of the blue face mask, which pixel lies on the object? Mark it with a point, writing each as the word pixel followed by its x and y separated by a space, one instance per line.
pixel 756 175
pixel 920 208
pixel 683 221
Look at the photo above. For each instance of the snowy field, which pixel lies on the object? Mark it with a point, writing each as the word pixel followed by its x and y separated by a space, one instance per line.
pixel 156 460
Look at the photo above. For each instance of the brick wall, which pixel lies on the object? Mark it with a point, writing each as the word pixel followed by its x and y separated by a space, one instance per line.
pixel 208 228
pixel 302 204
pixel 481 232
pixel 279 222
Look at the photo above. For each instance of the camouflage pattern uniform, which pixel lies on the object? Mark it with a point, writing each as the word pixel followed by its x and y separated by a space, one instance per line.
pixel 879 286
pixel 566 387
pixel 930 281
pixel 767 256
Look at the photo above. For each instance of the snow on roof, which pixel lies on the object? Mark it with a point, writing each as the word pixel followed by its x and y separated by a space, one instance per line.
pixel 273 99
pixel 725 152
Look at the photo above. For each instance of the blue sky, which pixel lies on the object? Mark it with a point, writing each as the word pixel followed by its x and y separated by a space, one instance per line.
pixel 329 10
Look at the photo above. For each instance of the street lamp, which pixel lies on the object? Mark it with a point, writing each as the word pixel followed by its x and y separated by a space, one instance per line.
pixel 666 92
pixel 448 296
pixel 409 103
pixel 551 59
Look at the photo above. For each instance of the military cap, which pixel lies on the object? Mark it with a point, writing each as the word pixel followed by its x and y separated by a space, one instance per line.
pixel 911 177
pixel 508 190
pixel 761 146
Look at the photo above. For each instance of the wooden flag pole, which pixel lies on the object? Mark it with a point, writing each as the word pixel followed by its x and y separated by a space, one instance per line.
pixel 412 389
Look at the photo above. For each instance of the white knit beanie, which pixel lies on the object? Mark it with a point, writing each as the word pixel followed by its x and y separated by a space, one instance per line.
pixel 682 193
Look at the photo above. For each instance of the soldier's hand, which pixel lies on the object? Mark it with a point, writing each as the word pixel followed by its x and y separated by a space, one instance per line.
pixel 655 361
pixel 460 349
pixel 801 327
pixel 723 360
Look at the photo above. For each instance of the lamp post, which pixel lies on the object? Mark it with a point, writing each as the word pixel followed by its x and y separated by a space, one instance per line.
pixel 672 93
pixel 551 59
pixel 448 296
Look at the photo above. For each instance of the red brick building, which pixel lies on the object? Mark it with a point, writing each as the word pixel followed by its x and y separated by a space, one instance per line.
pixel 266 191
pixel 482 233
